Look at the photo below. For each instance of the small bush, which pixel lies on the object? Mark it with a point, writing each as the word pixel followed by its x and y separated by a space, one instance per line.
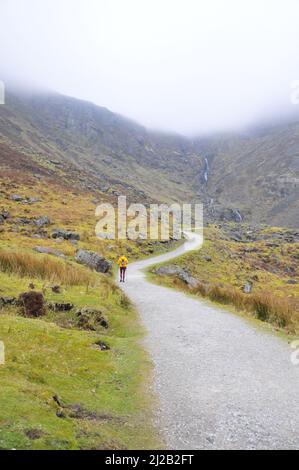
pixel 32 304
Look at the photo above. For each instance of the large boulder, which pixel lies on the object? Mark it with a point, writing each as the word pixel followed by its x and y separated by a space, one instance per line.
pixel 182 274
pixel 67 235
pixel 32 304
pixel 93 261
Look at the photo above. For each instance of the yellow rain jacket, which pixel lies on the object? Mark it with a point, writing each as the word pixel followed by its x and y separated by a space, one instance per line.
pixel 123 262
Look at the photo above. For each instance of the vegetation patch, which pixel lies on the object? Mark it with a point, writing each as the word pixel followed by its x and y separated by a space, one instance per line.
pixel 258 274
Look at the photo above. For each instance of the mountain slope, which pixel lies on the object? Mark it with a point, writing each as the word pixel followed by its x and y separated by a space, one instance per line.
pixel 257 173
pixel 111 149
pixel 251 176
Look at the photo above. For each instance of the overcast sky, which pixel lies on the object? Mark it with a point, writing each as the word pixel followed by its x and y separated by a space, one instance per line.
pixel 188 66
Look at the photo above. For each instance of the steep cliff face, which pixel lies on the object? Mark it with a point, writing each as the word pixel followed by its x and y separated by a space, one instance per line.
pixel 256 174
pixel 241 177
pixel 107 146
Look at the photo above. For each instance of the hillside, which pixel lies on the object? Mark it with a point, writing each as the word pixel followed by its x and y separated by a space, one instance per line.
pixel 107 151
pixel 250 177
pixel 256 173
pixel 75 375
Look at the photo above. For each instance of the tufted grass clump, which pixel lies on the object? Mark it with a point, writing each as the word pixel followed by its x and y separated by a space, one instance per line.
pixel 44 267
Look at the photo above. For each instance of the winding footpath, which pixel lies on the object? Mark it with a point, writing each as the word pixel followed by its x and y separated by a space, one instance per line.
pixel 222 381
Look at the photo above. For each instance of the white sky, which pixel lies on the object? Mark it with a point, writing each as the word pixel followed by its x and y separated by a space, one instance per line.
pixel 183 65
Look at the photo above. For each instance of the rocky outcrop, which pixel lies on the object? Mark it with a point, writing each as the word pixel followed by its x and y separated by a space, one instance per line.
pixel 182 274
pixel 24 200
pixel 232 215
pixel 60 306
pixel 48 251
pixel 93 261
pixel 7 301
pixel 65 234
pixel 101 345
pixel 90 319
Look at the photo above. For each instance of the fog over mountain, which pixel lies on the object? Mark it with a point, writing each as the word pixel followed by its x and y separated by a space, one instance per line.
pixel 189 67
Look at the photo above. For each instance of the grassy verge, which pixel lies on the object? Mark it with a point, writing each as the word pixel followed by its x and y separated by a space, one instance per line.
pixel 222 268
pixel 102 399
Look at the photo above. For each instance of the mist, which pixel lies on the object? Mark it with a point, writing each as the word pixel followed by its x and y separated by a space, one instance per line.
pixel 184 66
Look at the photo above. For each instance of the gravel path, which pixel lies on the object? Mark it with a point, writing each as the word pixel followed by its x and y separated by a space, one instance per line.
pixel 222 382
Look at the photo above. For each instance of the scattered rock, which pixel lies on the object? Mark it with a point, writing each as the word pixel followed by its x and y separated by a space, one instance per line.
pixel 90 319
pixel 247 289
pixel 102 346
pixel 55 162
pixel 32 200
pixel 65 234
pixel 233 215
pixel 60 306
pixel 16 198
pixel 32 304
pixel 43 221
pixel 56 289
pixel 292 281
pixel 93 261
pixel 23 221
pixel 5 214
pixel 48 251
pixel 6 301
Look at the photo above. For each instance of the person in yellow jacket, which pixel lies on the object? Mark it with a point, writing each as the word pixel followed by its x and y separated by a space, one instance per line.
pixel 122 263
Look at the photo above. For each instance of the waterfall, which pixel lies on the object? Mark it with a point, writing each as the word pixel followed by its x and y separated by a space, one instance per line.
pixel 238 216
pixel 206 171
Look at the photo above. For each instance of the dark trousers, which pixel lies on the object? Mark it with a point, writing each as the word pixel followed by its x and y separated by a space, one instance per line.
pixel 122 273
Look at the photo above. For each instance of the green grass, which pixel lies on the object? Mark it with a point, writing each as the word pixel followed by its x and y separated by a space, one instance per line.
pixel 52 356
pixel 43 359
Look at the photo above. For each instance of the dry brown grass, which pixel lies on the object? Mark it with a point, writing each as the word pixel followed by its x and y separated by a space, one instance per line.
pixel 265 306
pixel 26 264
